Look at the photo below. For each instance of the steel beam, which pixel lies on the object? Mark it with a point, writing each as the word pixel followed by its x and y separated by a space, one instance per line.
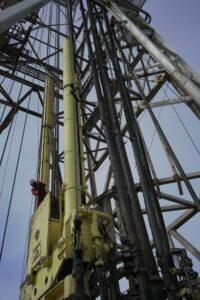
pixel 20 108
pixel 168 208
pixel 46 134
pixel 15 13
pixel 176 73
pixel 181 220
pixel 186 244
pixel 168 102
pixel 177 200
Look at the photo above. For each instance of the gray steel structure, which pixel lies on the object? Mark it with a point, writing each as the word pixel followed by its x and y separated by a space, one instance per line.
pixel 122 64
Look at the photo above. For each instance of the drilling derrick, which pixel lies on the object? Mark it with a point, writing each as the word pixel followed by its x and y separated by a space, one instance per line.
pixel 95 68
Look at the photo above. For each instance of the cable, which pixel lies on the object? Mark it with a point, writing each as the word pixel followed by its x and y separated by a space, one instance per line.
pixel 4 108
pixel 9 131
pixel 15 175
pixel 9 151
pixel 13 185
pixel 24 266
pixel 191 139
pixel 178 116
pixel 19 95
pixel 11 122
pixel 154 133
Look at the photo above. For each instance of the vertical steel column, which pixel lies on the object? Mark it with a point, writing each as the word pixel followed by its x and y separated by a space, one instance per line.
pixel 56 173
pixel 133 219
pixel 80 147
pixel 150 197
pixel 47 126
pixel 113 119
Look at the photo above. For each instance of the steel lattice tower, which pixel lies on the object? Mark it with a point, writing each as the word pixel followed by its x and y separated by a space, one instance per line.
pixel 95 68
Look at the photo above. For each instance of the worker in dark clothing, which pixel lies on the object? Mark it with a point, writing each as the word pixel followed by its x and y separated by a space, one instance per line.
pixel 38 190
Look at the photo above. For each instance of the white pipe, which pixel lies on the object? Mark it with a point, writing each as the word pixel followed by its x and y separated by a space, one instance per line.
pixel 159 41
pixel 168 102
pixel 183 81
pixel 13 14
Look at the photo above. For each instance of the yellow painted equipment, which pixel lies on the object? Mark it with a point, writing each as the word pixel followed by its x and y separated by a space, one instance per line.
pixel 47 125
pixel 51 241
pixel 72 189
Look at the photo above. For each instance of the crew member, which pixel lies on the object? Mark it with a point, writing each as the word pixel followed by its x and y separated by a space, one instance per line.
pixel 38 190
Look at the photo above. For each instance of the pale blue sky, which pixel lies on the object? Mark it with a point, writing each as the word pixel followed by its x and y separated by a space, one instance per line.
pixel 178 22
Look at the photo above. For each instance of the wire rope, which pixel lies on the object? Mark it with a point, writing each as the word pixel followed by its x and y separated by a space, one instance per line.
pixel 4 106
pixel 10 127
pixel 24 264
pixel 183 125
pixel 175 111
pixel 10 90
pixel 7 160
pixel 13 185
pixel 154 133
pixel 11 123
pixel 15 174
pixel 2 113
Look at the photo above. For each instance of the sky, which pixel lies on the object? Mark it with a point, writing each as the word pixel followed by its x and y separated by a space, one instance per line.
pixel 178 22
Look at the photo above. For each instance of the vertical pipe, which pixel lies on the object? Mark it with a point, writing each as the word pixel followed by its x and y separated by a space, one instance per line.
pixel 80 143
pixel 56 174
pixel 116 156
pixel 71 155
pixel 153 209
pixel 47 125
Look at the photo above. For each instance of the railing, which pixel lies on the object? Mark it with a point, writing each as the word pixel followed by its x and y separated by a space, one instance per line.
pixel 134 6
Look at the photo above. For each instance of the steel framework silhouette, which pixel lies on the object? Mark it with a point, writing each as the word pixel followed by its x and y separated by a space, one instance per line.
pixel 102 224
